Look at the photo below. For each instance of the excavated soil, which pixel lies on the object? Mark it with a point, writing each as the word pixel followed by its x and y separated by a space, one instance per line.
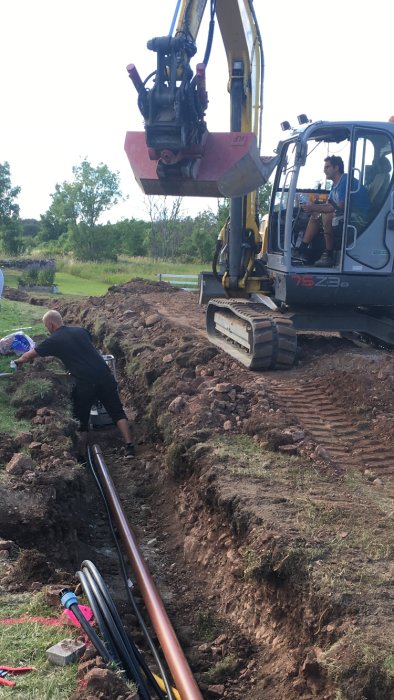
pixel 262 501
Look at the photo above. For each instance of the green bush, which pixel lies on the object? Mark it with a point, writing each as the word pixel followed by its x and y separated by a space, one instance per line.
pixel 34 275
pixel 46 276
pixel 28 277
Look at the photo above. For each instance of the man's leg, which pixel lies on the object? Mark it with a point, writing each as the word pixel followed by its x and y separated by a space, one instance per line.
pixel 109 397
pixel 312 229
pixel 82 399
pixel 328 231
pixel 311 232
pixel 124 427
pixel 327 257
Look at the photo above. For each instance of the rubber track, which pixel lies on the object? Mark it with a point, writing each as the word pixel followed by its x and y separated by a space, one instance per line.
pixel 274 337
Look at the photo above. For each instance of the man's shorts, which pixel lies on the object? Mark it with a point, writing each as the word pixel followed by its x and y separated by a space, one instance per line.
pixel 85 394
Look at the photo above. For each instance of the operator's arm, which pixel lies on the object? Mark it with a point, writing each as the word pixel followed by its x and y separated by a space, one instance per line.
pixel 326 208
pixel 26 357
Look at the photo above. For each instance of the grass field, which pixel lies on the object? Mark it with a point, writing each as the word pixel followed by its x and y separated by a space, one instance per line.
pixel 15 315
pixel 93 279
pixel 71 285
pixel 126 269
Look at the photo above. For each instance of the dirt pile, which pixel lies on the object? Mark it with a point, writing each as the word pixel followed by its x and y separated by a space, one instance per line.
pixel 263 501
pixel 39 476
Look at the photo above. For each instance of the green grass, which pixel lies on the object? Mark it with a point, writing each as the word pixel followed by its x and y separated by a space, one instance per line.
pixel 93 279
pixel 8 422
pixel 11 277
pixel 69 284
pixel 124 270
pixel 25 644
pixel 15 315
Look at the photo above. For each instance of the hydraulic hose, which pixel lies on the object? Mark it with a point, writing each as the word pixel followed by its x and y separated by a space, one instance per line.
pixel 163 683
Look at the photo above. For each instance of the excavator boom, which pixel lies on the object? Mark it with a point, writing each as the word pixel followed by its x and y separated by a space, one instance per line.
pixel 176 155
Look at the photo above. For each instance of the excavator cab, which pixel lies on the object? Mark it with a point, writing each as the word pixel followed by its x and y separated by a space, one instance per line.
pixel 363 233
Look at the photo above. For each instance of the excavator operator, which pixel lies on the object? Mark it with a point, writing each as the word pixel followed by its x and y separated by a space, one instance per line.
pixel 333 209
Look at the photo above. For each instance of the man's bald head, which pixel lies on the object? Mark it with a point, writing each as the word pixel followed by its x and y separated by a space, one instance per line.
pixel 52 320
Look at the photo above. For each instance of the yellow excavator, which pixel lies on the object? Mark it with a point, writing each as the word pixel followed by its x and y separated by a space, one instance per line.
pixel 257 296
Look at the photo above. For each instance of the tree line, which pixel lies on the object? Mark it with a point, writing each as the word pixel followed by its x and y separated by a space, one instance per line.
pixel 71 223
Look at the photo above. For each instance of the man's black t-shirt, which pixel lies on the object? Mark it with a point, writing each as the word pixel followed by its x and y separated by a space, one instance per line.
pixel 73 346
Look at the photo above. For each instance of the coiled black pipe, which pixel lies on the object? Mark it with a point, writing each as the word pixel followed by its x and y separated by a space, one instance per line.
pixel 125 650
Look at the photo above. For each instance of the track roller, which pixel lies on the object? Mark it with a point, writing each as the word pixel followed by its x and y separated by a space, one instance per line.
pixel 252 334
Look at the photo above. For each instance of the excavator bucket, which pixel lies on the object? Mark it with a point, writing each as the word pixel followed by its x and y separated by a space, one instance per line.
pixel 229 167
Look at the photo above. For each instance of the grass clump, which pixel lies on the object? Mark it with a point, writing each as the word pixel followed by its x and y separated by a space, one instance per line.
pixel 8 422
pixel 372 669
pixel 244 457
pixel 33 393
pixel 207 627
pixel 221 670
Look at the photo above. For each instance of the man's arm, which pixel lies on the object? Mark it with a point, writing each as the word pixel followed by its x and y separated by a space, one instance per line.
pixel 326 208
pixel 26 357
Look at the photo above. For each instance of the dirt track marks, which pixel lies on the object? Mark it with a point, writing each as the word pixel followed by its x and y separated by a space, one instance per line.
pixel 349 441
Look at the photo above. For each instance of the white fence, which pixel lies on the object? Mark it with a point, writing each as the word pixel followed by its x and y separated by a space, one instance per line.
pixel 186 282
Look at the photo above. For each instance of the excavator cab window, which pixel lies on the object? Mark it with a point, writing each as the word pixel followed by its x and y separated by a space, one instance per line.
pixel 361 232
pixel 368 240
pixel 299 183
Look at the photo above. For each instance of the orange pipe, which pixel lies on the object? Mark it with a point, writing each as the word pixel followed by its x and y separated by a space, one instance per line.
pixel 172 651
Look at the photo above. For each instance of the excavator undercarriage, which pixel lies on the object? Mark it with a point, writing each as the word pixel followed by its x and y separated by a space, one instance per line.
pixel 258 338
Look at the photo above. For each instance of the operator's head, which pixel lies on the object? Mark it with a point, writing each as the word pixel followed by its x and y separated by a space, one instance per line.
pixel 52 320
pixel 335 162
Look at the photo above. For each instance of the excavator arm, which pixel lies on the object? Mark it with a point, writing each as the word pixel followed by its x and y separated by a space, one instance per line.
pixel 177 155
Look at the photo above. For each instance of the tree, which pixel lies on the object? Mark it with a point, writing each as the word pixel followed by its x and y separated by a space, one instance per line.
pixel 132 234
pixel 93 242
pixel 8 207
pixel 202 235
pixel 11 236
pixel 264 196
pixel 164 235
pixel 31 227
pixel 10 228
pixel 77 206
pixel 94 191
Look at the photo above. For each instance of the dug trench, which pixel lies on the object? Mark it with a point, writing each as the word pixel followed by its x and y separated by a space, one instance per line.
pixel 262 501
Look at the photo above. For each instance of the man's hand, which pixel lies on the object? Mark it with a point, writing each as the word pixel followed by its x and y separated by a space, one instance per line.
pixel 26 357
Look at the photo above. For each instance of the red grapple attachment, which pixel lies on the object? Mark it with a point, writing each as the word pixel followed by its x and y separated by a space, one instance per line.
pixel 230 166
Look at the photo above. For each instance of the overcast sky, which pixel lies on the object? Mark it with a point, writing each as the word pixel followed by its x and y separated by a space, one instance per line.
pixel 66 95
